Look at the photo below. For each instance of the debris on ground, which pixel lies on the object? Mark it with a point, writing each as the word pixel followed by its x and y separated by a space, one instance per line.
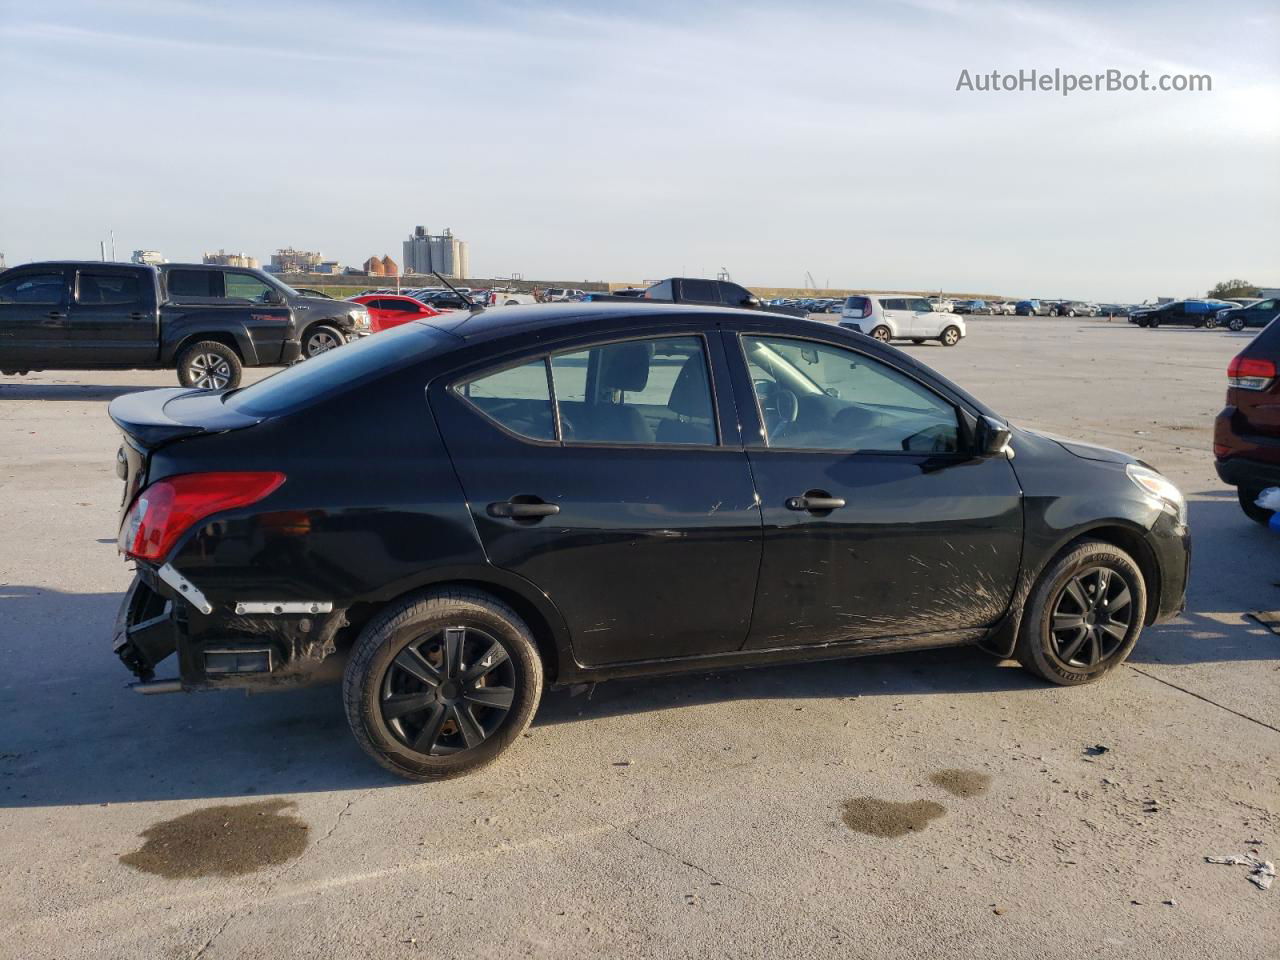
pixel 1096 750
pixel 1261 872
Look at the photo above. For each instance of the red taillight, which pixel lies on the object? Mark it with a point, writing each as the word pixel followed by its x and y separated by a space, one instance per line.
pixel 169 508
pixel 1250 373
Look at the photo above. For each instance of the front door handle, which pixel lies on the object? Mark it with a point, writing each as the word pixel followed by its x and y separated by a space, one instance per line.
pixel 815 501
pixel 522 508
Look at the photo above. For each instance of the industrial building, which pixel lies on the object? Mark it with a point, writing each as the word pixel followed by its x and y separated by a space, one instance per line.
pixel 151 257
pixel 444 254
pixel 381 267
pixel 289 260
pixel 224 259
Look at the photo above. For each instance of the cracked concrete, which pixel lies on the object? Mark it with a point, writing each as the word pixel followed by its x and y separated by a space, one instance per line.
pixel 722 836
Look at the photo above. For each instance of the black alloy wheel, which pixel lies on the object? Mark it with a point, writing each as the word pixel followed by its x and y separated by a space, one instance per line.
pixel 1236 324
pixel 441 682
pixel 1084 614
pixel 447 692
pixel 1091 618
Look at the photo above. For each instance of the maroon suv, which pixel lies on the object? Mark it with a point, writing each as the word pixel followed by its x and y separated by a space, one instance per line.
pixel 1246 435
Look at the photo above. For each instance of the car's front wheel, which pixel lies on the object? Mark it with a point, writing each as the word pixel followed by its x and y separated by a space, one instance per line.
pixel 442 683
pixel 950 336
pixel 881 333
pixel 321 339
pixel 1236 324
pixel 1084 614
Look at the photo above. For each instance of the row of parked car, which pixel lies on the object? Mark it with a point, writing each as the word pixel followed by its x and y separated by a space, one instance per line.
pixel 1231 314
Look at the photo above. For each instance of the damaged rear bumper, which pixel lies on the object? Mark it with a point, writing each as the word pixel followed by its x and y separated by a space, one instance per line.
pixel 248 644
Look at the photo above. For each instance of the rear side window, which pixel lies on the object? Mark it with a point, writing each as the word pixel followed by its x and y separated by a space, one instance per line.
pixel 659 291
pixel 335 371
pixel 33 288
pixel 194 283
pixel 517 398
pixel 699 291
pixel 108 288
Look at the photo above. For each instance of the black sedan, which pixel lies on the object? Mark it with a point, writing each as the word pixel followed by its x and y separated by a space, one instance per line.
pixel 542 496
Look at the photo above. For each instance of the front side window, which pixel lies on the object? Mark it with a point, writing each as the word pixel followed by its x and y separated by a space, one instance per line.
pixel 815 396
pixel 108 288
pixel 43 288
pixel 639 391
pixel 517 398
pixel 244 286
pixel 921 306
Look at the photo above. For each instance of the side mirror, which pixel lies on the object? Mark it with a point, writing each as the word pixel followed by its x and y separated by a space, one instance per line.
pixel 752 302
pixel 993 438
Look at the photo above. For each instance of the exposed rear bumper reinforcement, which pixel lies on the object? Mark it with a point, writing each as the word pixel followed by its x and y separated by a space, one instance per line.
pixel 170 575
pixel 157 686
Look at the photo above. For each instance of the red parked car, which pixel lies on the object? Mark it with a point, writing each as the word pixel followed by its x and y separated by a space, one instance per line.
pixel 1246 434
pixel 388 310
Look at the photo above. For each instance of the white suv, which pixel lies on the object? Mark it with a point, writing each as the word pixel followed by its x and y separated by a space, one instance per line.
pixel 896 316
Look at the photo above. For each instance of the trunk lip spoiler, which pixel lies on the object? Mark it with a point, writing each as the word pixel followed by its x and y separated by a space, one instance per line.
pixel 147 419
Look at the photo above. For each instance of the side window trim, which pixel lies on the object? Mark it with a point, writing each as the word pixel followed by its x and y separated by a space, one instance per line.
pixel 962 413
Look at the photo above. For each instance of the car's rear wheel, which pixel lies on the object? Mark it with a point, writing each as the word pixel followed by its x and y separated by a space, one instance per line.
pixel 209 365
pixel 1211 323
pixel 1071 313
pixel 950 336
pixel 1084 614
pixel 1247 497
pixel 442 683
pixel 881 333
pixel 321 339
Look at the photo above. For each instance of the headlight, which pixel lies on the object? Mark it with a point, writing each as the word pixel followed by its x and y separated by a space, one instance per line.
pixel 1161 488
pixel 360 320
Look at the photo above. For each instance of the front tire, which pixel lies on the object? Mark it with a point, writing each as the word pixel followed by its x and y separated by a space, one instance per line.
pixel 1083 616
pixel 209 365
pixel 321 339
pixel 881 333
pixel 950 336
pixel 1247 496
pixel 1236 324
pixel 441 683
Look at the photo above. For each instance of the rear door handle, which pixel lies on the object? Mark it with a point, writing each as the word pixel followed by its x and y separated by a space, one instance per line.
pixel 522 508
pixel 137 316
pixel 815 501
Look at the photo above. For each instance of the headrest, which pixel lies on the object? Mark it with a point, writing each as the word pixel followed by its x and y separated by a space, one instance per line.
pixel 625 366
pixel 690 396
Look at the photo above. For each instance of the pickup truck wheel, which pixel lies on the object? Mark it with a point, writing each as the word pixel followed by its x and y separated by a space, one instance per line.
pixel 1083 616
pixel 950 336
pixel 209 365
pixel 441 683
pixel 321 339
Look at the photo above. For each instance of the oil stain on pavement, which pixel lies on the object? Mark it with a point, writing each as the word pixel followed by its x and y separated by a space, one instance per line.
pixel 962 783
pixel 221 841
pixel 883 818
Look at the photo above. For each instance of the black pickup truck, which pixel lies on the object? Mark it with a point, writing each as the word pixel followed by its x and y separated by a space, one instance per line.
pixel 207 322
pixel 693 291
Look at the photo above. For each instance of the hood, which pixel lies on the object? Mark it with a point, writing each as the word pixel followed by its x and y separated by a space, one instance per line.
pixel 1085 451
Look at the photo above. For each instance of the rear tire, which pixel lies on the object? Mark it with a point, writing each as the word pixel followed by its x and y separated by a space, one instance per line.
pixel 209 365
pixel 881 333
pixel 432 653
pixel 950 336
pixel 1247 496
pixel 1083 616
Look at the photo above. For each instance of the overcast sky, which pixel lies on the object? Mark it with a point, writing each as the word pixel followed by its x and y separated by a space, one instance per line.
pixel 635 141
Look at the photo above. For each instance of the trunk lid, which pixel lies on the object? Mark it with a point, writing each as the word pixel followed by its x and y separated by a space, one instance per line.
pixel 154 418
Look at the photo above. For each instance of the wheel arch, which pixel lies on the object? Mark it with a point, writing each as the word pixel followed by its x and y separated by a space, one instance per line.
pixel 224 337
pixel 550 633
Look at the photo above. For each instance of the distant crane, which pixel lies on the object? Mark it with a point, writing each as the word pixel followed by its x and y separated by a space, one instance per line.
pixel 812 284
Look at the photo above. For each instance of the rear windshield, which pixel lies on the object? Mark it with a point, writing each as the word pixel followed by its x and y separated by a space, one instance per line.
pixel 337 370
